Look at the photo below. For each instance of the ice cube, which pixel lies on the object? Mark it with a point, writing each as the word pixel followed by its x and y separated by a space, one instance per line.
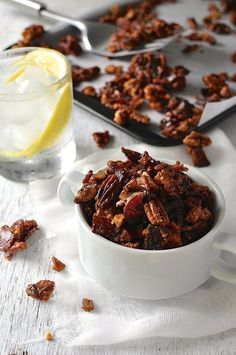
pixel 34 79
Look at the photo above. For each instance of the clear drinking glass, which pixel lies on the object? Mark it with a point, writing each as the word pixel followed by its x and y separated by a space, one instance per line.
pixel 36 135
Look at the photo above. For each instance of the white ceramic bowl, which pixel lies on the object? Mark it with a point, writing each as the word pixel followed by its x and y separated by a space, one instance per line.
pixel 152 274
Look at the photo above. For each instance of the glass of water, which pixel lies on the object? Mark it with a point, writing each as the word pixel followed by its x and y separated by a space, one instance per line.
pixel 36 135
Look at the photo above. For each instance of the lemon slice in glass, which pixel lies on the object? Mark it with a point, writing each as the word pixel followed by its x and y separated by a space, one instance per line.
pixel 56 65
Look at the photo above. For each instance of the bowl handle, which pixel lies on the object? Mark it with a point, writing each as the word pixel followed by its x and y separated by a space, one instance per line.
pixel 221 271
pixel 68 186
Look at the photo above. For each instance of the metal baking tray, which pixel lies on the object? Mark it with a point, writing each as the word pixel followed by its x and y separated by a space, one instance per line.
pixel 209 59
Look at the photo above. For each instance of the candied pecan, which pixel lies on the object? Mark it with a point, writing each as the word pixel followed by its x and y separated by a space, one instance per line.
pixel 57 264
pixel 49 336
pixel 102 224
pixel 190 48
pixel 13 238
pixel 31 33
pixel 121 116
pixel 41 290
pixel 89 91
pixel 178 82
pixel 80 74
pixel 156 213
pixel 233 57
pixel 180 70
pixel 87 305
pixel 139 117
pixel 101 138
pixel 195 141
pixel 201 36
pixel 198 213
pixel 133 208
pixel 86 193
pixel 174 239
pixel 154 239
pixel 199 157
pixel 220 28
pixel 69 45
pixel 113 69
pixel 108 191
pixel 131 154
pixel 157 96
pixel 192 23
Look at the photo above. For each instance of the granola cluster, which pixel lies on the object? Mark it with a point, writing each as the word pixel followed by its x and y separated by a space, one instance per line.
pixel 80 74
pixel 195 143
pixel 216 87
pixel 101 138
pixel 137 24
pixel 13 238
pixel 41 290
pixel 148 79
pixel 143 203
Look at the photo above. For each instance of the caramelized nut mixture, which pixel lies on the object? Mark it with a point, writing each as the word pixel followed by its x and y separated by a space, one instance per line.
pixel 42 290
pixel 13 238
pixel 101 138
pixel 137 24
pixel 143 203
pixel 87 305
pixel 57 264
pixel 216 87
pixel 80 74
pixel 195 141
pixel 69 45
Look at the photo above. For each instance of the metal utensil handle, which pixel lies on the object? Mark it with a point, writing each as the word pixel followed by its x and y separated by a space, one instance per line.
pixel 33 5
pixel 41 9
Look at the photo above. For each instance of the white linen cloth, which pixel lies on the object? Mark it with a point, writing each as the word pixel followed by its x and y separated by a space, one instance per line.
pixel 210 309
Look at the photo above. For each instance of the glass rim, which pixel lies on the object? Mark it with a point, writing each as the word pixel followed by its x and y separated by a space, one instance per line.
pixel 32 94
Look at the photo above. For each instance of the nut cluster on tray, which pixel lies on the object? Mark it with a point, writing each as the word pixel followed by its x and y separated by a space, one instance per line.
pixel 143 203
pixel 137 24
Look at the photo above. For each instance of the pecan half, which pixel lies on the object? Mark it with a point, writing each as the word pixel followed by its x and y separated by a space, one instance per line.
pixel 156 213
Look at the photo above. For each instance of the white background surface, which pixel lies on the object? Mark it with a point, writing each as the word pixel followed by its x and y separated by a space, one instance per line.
pixel 20 318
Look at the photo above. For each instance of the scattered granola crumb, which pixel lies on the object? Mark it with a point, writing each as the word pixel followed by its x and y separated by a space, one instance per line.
pixel 202 36
pixel 89 91
pixel 57 265
pixel 41 290
pixel 13 238
pixel 49 336
pixel 101 138
pixel 87 305
pixel 113 69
